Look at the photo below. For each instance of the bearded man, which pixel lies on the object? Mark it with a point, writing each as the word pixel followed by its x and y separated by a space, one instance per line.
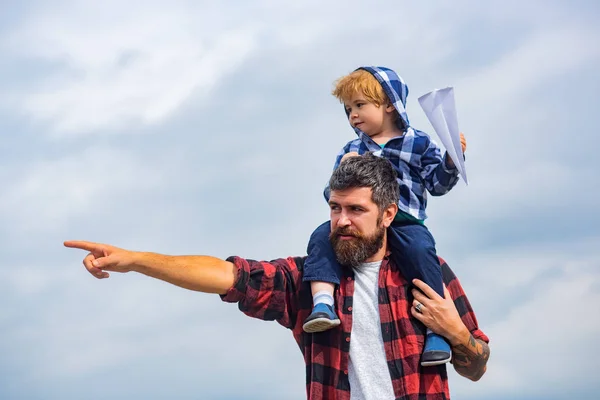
pixel 375 352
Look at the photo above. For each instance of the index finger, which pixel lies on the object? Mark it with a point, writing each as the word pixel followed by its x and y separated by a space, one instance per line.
pixel 83 245
pixel 426 289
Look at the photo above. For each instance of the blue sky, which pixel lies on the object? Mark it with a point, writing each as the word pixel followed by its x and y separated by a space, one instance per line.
pixel 209 128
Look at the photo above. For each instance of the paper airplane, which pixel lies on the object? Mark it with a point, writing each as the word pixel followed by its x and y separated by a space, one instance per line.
pixel 440 108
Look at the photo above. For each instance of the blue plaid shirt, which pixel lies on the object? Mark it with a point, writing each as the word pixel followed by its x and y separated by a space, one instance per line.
pixel 415 156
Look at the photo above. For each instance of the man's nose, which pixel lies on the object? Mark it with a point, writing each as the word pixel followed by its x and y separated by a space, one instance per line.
pixel 343 220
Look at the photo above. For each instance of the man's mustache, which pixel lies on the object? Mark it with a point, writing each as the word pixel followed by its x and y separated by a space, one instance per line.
pixel 346 231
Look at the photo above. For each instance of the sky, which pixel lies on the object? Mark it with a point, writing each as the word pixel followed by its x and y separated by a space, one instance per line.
pixel 208 127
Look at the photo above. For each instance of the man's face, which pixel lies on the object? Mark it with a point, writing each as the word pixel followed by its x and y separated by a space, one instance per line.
pixel 358 228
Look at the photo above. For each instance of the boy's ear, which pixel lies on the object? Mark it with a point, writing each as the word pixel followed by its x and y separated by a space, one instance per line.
pixel 390 108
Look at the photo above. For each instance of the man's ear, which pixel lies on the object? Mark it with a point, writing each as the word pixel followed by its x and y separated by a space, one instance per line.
pixel 389 214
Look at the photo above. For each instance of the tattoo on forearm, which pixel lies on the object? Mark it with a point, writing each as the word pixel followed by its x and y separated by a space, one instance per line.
pixel 470 360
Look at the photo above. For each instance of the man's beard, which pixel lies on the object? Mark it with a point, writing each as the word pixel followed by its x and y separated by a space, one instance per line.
pixel 353 252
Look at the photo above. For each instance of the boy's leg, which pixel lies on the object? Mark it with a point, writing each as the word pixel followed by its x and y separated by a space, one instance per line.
pixel 323 272
pixel 413 252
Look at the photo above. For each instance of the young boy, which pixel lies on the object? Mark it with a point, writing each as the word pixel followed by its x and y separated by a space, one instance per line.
pixel 374 99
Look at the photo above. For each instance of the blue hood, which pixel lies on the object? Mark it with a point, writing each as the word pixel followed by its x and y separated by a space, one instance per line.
pixel 395 89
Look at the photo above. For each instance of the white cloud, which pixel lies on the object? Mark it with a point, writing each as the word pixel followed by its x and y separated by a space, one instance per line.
pixel 98 327
pixel 44 195
pixel 514 166
pixel 503 194
pixel 136 66
pixel 29 281
pixel 535 62
pixel 254 188
pixel 550 297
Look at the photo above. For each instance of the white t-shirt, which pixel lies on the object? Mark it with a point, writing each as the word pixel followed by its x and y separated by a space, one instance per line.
pixel 368 371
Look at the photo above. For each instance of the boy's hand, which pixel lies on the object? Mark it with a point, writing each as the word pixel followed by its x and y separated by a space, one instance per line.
pixel 463 145
pixel 348 155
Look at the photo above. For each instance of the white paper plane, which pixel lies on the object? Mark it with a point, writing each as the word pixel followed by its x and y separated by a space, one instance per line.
pixel 440 108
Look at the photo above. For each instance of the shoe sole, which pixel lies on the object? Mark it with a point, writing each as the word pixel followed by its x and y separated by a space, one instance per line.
pixel 319 325
pixel 437 362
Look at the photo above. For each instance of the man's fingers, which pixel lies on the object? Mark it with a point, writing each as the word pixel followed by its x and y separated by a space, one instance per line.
pixel 88 263
pixel 420 297
pixel 113 263
pixel 417 314
pixel 103 263
pixel 83 245
pixel 420 309
pixel 447 294
pixel 425 288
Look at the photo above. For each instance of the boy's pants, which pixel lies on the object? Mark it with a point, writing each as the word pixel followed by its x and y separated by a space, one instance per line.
pixel 412 251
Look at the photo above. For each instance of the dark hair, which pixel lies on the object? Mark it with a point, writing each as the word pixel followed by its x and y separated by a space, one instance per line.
pixel 369 171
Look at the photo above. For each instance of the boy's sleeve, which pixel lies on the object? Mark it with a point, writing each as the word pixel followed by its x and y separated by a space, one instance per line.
pixel 463 306
pixel 267 290
pixel 437 177
pixel 338 159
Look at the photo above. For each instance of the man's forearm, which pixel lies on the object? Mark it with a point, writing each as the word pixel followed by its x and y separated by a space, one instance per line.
pixel 200 273
pixel 470 357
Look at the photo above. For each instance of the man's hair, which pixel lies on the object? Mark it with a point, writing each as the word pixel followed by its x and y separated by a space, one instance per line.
pixel 360 81
pixel 369 171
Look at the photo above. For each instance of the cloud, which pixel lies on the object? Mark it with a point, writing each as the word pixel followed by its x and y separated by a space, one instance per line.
pixel 106 71
pixel 541 306
pixel 122 69
pixel 523 165
pixel 239 136
pixel 44 195
pixel 514 79
pixel 142 328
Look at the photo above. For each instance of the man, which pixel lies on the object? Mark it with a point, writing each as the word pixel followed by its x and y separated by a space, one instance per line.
pixel 374 354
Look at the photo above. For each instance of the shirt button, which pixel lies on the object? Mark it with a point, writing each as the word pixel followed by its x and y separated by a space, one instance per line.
pixel 347 339
pixel 350 308
pixel 349 279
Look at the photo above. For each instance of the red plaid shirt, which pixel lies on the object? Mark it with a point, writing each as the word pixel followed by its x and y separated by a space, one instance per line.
pixel 273 290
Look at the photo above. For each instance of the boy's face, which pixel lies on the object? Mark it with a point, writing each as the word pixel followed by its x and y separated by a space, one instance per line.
pixel 368 117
